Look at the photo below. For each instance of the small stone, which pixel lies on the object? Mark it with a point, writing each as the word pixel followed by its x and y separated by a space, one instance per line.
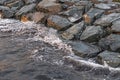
pixel 116 26
pixel 38 16
pixel 73 31
pixel 92 34
pixel 58 22
pixel 83 49
pixel 107 20
pixel 30 1
pixel 49 6
pixel 111 58
pixel 92 15
pixel 25 9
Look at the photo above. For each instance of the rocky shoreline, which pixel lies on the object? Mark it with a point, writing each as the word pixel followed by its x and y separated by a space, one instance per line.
pixel 91 27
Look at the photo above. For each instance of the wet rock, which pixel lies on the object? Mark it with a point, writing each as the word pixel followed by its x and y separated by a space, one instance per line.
pixel 103 6
pixel 58 22
pixel 116 26
pixel 92 34
pixel 74 14
pixel 49 6
pixel 111 42
pixel 73 31
pixel 111 58
pixel 92 15
pixel 107 20
pixel 16 4
pixel 83 49
pixel 6 11
pixel 38 17
pixel 25 9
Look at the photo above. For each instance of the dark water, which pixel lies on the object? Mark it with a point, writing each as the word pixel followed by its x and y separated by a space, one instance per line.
pixel 22 58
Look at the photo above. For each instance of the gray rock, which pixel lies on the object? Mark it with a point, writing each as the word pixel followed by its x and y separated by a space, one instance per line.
pixel 116 26
pixel 103 6
pixel 73 31
pixel 111 58
pixel 92 33
pixel 83 49
pixel 25 9
pixel 58 22
pixel 111 42
pixel 2 1
pixel 92 15
pixel 30 1
pixel 7 12
pixel 107 20
pixel 74 14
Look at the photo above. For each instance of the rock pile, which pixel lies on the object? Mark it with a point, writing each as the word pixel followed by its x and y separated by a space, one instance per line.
pixel 91 26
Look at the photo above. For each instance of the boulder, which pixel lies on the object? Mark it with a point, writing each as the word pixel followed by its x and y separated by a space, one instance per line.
pixel 58 22
pixel 92 15
pixel 111 42
pixel 92 34
pixel 107 20
pixel 111 58
pixel 116 26
pixel 49 6
pixel 73 31
pixel 25 9
pixel 85 50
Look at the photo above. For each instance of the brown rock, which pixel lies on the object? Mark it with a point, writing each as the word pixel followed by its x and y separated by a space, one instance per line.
pixel 38 16
pixel 49 6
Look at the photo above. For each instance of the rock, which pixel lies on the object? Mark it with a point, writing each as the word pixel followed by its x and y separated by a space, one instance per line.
pixel 30 1
pixel 49 6
pixel 73 31
pixel 87 5
pixel 25 9
pixel 6 11
pixel 116 26
pixel 38 16
pixel 107 20
pixel 58 22
pixel 111 42
pixel 83 49
pixel 2 1
pixel 111 58
pixel 92 34
pixel 17 4
pixel 74 14
pixel 92 15
pixel 103 6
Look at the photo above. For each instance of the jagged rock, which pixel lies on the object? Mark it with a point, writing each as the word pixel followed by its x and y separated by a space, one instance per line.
pixel 74 14
pixel 58 22
pixel 83 49
pixel 116 26
pixel 103 6
pixel 111 58
pixel 92 15
pixel 25 9
pixel 6 12
pixel 73 31
pixel 107 20
pixel 92 33
pixel 16 4
pixel 49 6
pixel 111 42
